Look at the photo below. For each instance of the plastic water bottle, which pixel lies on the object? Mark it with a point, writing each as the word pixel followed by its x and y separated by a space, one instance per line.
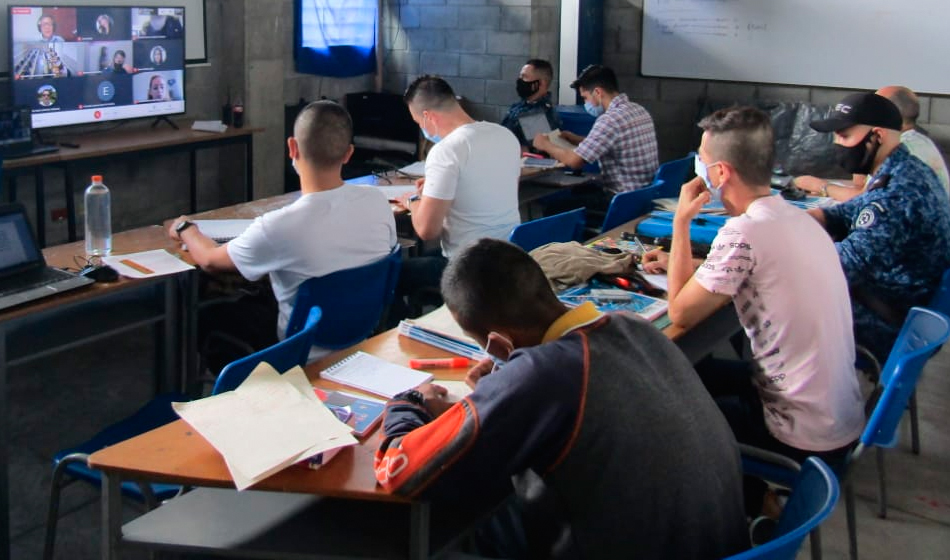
pixel 98 218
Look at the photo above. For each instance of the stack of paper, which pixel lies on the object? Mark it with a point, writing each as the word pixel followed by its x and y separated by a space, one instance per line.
pixel 414 169
pixel 439 329
pixel 146 264
pixel 223 231
pixel 268 423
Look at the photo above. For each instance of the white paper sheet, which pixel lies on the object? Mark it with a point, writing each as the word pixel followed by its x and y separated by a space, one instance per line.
pixel 392 192
pixel 223 231
pixel 458 390
pixel 268 423
pixel 147 264
pixel 416 169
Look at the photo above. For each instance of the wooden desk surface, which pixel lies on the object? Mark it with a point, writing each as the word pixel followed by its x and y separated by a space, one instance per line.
pixel 113 142
pixel 175 453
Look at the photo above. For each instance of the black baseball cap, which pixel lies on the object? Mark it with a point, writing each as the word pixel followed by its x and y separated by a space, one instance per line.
pixel 861 108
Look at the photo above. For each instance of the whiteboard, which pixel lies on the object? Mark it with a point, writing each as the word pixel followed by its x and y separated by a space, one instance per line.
pixel 194 22
pixel 860 44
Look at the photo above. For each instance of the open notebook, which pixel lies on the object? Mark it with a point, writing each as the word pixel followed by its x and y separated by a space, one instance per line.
pixel 222 231
pixel 375 375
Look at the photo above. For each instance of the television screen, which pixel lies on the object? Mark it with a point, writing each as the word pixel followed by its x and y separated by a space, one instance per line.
pixel 82 64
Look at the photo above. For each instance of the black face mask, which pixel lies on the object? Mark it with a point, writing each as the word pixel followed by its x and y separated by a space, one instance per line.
pixel 858 159
pixel 527 89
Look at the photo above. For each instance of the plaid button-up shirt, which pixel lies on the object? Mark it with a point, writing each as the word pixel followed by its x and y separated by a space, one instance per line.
pixel 623 140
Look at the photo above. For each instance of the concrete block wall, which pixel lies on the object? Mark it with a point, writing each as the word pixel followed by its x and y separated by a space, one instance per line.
pixel 478 46
pixel 673 102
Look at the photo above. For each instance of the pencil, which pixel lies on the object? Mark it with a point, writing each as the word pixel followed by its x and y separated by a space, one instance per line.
pixel 136 266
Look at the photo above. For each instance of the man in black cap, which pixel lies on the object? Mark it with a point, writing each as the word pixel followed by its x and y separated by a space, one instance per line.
pixel 894 238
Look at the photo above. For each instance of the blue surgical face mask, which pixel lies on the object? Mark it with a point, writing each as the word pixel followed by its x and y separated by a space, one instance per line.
pixel 593 110
pixel 434 138
pixel 702 171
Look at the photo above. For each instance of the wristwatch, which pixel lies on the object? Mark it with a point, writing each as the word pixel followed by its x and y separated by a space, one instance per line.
pixel 824 189
pixel 413 396
pixel 182 226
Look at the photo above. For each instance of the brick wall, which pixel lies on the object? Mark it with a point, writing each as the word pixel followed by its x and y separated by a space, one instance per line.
pixel 478 46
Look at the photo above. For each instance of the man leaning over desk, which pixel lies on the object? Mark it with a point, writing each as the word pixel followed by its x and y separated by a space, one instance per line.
pixel 604 408
pixel 470 189
pixel 799 395
pixel 622 140
pixel 332 226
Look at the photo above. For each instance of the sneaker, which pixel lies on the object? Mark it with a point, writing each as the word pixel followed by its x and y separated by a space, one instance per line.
pixel 761 530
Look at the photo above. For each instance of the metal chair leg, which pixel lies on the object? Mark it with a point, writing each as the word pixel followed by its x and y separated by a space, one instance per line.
pixel 914 426
pixel 881 487
pixel 852 522
pixel 52 512
pixel 815 540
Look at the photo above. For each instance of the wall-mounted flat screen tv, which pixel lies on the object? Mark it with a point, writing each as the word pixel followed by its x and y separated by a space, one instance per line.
pixel 82 64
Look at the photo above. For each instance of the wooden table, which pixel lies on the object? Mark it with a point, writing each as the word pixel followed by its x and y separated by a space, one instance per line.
pixel 87 314
pixel 175 453
pixel 113 144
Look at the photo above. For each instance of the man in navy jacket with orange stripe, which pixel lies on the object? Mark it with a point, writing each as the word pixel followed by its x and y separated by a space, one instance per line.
pixel 635 456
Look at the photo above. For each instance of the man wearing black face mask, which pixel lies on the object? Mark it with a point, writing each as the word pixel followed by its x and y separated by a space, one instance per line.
pixel 894 237
pixel 532 86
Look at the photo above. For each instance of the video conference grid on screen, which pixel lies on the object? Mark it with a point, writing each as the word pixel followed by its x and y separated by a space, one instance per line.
pixel 75 65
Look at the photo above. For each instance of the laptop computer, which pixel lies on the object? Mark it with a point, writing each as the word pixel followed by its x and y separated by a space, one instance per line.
pixel 24 275
pixel 16 134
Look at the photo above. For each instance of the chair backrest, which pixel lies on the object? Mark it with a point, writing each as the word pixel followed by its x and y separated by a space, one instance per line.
pixel 920 337
pixel 290 352
pixel 352 301
pixel 628 205
pixel 561 228
pixel 940 302
pixel 673 174
pixel 813 498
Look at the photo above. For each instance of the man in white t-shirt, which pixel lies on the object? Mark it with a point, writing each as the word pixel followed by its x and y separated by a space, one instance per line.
pixel 470 189
pixel 332 226
pixel 800 395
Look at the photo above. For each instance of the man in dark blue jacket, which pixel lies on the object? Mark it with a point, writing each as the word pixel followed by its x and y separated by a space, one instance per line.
pixel 636 457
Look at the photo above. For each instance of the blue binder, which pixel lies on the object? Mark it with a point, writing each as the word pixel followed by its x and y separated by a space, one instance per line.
pixel 703 229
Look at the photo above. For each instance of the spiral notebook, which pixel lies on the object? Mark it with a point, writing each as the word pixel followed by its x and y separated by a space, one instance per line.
pixel 375 375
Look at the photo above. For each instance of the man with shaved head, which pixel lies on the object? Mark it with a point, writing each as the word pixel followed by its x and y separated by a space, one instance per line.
pixel 331 227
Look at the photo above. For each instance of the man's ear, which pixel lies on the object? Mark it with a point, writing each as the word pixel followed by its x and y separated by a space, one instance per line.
pixel 293 148
pixel 349 153
pixel 499 345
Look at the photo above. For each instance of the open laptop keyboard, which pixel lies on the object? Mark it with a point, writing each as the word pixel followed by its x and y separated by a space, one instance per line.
pixel 37 279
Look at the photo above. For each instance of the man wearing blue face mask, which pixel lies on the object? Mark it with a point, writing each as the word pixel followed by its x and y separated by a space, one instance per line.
pixel 622 139
pixel 799 395
pixel 470 188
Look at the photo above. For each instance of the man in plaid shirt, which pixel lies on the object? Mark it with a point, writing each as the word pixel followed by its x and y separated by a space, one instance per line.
pixel 622 140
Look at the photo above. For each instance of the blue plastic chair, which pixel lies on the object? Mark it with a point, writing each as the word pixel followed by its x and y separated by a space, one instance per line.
pixel 560 228
pixel 352 300
pixel 923 333
pixel 73 462
pixel 628 205
pixel 814 495
pixel 673 174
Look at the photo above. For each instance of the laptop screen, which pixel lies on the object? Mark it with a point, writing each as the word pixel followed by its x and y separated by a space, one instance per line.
pixel 18 251
pixel 533 124
pixel 15 127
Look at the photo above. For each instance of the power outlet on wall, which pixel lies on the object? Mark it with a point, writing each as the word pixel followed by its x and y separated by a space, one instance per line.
pixel 57 214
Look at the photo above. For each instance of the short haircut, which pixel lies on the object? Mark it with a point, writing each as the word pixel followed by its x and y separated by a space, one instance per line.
pixel 543 67
pixel 324 132
pixel 429 92
pixel 907 104
pixel 118 52
pixel 595 76
pixel 742 136
pixel 491 284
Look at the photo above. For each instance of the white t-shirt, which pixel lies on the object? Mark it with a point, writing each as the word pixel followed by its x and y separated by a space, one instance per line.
pixel 477 167
pixel 783 273
pixel 319 233
pixel 925 150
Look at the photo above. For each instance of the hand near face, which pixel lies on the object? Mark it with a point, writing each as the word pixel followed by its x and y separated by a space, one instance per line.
pixel 693 196
pixel 478 371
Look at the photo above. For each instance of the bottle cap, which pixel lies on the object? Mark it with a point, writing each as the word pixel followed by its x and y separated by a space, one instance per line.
pixel 97 178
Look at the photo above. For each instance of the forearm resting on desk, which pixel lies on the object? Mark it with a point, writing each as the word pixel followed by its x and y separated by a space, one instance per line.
pixel 206 253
